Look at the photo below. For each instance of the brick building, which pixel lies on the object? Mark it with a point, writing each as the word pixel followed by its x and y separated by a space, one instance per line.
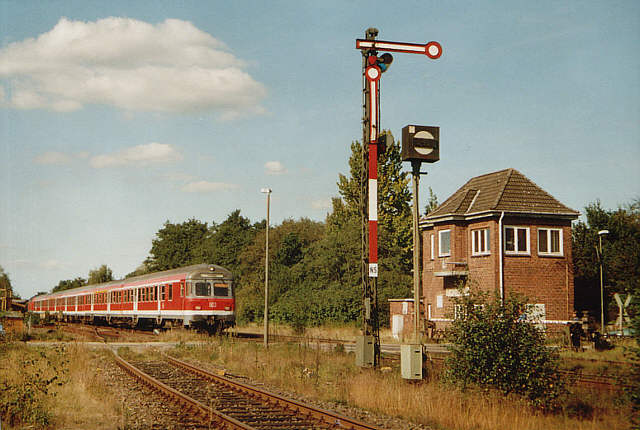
pixel 503 233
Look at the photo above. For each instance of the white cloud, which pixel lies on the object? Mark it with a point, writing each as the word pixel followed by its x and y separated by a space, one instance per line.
pixel 53 157
pixel 274 168
pixel 150 153
pixel 321 204
pixel 208 187
pixel 171 66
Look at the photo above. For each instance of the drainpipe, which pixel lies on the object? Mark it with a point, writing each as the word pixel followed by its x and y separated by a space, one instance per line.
pixel 501 259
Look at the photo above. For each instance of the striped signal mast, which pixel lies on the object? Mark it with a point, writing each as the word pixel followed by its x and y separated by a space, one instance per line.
pixel 368 346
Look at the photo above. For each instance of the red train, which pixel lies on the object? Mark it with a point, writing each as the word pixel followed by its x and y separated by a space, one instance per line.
pixel 201 295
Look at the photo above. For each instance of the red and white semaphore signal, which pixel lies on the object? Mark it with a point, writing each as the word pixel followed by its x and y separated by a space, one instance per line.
pixel 432 49
pixel 373 67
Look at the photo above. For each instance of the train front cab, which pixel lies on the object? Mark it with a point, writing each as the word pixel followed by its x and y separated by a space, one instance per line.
pixel 209 299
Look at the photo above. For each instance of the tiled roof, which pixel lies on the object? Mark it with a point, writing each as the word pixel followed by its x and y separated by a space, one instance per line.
pixel 503 191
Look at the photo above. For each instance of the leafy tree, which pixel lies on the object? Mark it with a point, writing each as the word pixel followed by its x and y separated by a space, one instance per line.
pixel 393 191
pixel 5 283
pixel 290 251
pixel 493 347
pixel 289 246
pixel 142 269
pixel 177 245
pixel 100 275
pixel 225 241
pixel 620 253
pixel 432 202
pixel 70 283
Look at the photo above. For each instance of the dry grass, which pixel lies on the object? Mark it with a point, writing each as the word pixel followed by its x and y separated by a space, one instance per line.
pixel 433 404
pixel 332 376
pixel 76 399
pixel 620 352
pixel 347 332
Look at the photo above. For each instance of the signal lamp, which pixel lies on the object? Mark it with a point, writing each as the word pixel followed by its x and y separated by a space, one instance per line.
pixel 382 144
pixel 384 61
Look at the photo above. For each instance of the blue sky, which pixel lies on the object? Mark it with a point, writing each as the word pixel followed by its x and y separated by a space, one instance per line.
pixel 118 116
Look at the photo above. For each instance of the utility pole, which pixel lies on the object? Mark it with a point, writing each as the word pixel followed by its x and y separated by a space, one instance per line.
pixel 368 345
pixel 266 191
pixel 602 326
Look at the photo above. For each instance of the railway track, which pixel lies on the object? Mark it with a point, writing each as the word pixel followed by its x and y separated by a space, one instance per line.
pixel 102 333
pixel 229 404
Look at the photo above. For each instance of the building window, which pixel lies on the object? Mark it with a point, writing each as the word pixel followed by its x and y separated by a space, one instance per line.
pixel 433 245
pixel 550 241
pixel 516 240
pixel 480 242
pixel 444 243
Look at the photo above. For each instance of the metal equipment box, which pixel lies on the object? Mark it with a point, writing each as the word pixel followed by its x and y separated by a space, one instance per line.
pixel 365 351
pixel 411 361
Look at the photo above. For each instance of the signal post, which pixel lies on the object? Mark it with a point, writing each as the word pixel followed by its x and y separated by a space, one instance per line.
pixel 368 345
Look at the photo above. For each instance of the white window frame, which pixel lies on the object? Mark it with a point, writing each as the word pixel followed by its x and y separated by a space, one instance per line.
pixel 548 232
pixel 433 246
pixel 481 231
pixel 516 250
pixel 440 253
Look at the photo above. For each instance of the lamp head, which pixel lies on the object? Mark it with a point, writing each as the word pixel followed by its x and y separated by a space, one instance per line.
pixel 601 232
pixel 265 190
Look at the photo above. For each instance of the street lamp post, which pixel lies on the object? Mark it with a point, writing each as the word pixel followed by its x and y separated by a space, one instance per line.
pixel 266 191
pixel 600 234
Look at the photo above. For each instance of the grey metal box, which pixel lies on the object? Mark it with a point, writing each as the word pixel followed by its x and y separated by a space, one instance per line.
pixel 365 351
pixel 411 361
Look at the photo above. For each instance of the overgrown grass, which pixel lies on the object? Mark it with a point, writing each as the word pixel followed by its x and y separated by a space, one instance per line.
pixel 333 376
pixel 59 387
pixel 619 352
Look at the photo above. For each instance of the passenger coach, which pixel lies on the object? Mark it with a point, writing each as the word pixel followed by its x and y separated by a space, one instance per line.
pixel 201 295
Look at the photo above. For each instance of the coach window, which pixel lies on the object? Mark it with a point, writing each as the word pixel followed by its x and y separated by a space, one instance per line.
pixel 170 292
pixel 202 289
pixel 182 289
pixel 220 289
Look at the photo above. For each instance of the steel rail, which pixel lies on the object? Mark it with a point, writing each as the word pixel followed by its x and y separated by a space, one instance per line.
pixel 328 417
pixel 224 421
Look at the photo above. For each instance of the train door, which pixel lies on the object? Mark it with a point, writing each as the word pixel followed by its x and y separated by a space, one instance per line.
pixel 108 301
pixel 135 299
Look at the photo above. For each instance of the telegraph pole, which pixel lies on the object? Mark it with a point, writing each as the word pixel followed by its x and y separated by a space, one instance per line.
pixel 368 345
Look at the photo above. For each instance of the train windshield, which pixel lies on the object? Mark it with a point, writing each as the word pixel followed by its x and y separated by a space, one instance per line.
pixel 212 289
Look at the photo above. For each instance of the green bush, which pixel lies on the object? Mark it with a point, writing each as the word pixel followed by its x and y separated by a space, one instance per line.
pixel 26 388
pixel 494 347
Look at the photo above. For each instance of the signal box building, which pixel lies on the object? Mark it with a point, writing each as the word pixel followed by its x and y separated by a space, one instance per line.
pixel 499 232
